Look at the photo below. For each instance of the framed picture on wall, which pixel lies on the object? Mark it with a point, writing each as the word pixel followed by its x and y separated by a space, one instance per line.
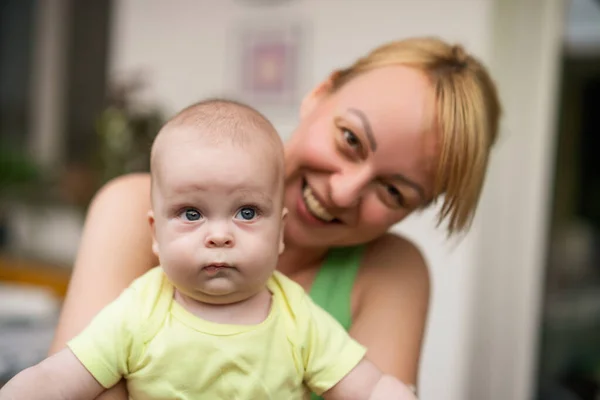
pixel 269 64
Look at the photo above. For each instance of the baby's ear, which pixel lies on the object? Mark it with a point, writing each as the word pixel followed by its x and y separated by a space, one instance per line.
pixel 152 222
pixel 284 213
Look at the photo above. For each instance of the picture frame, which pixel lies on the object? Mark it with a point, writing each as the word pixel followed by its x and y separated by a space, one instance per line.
pixel 269 63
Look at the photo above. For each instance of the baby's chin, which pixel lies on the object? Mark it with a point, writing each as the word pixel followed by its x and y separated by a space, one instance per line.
pixel 219 284
pixel 211 295
pixel 218 292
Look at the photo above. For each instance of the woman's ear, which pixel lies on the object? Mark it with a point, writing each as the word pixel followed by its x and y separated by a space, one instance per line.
pixel 314 97
pixel 153 228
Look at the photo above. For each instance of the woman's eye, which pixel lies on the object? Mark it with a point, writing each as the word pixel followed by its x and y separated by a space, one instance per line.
pixel 246 213
pixel 191 214
pixel 351 139
pixel 395 193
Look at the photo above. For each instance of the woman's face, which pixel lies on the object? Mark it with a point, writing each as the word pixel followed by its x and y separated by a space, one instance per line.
pixel 362 158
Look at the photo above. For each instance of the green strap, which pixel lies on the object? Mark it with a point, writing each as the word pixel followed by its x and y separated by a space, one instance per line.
pixel 333 284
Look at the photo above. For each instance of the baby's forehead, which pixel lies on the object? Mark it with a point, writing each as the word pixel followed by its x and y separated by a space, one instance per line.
pixel 257 189
pixel 196 160
pixel 217 120
pixel 215 137
pixel 223 186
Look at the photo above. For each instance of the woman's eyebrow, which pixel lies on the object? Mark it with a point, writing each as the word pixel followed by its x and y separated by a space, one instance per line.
pixel 366 126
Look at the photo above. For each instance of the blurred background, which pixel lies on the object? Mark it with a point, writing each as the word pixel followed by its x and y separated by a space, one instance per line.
pixel 85 85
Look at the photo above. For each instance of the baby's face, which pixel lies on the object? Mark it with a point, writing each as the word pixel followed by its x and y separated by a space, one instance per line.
pixel 217 218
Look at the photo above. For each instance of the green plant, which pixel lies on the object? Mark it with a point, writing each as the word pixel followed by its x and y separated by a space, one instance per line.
pixel 17 169
pixel 126 131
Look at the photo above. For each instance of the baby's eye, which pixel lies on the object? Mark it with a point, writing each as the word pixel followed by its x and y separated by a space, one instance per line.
pixel 246 213
pixel 191 214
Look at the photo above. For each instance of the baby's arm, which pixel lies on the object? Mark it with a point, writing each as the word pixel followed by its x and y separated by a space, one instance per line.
pixel 94 360
pixel 366 382
pixel 59 377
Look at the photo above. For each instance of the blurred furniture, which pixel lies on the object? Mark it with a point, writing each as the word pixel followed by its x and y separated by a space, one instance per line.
pixel 30 296
pixel 14 269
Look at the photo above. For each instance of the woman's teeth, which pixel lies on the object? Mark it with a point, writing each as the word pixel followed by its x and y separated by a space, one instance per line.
pixel 314 207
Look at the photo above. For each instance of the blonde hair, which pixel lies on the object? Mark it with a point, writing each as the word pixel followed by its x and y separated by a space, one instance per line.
pixel 467 116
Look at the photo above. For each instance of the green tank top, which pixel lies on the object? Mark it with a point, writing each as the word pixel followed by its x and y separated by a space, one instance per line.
pixel 332 287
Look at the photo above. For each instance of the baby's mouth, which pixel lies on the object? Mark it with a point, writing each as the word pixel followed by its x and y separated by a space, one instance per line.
pixel 216 267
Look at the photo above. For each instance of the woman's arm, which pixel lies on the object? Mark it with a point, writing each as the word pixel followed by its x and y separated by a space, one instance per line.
pixel 392 299
pixel 114 250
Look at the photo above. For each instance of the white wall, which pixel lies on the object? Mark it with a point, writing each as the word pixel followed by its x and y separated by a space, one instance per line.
pixel 528 43
pixel 186 47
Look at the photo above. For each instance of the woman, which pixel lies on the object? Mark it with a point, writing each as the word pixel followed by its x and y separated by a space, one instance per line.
pixel 411 121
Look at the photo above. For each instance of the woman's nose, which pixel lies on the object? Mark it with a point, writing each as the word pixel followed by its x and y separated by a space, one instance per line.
pixel 346 189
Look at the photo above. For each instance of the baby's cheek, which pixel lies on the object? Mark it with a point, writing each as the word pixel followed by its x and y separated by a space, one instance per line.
pixel 179 251
pixel 263 248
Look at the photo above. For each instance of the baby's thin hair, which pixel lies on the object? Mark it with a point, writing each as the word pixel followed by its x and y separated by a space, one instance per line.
pixel 221 121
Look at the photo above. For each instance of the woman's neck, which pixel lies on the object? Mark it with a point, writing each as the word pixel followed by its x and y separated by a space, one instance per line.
pixel 297 258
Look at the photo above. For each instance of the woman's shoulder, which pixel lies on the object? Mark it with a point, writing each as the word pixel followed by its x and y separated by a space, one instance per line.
pixel 129 184
pixel 392 250
pixel 394 258
pixel 123 192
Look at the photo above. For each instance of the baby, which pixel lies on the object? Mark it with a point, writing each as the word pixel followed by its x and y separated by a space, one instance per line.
pixel 214 320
